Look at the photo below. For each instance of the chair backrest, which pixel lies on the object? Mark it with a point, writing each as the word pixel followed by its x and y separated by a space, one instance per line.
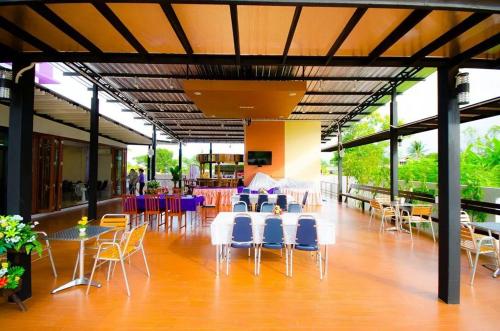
pixel 464 217
pixel 246 191
pixel 218 197
pixel 242 229
pixel 260 200
pixel 267 207
pixel 281 201
pixel 173 203
pixel 306 231
pixel 422 210
pixel 245 198
pixel 467 240
pixel 176 190
pixel 129 204
pixel 152 202
pixel 240 207
pixel 304 199
pixel 135 237
pixel 115 221
pixel 294 208
pixel 375 204
pixel 273 230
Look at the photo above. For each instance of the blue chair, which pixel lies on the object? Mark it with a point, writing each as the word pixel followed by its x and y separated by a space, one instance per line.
pixel 246 199
pixel 281 201
pixel 307 240
pixel 267 207
pixel 240 207
pixel 260 200
pixel 294 208
pixel 246 191
pixel 242 238
pixel 273 238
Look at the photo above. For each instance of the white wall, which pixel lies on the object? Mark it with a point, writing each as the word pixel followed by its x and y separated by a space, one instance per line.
pixel 303 150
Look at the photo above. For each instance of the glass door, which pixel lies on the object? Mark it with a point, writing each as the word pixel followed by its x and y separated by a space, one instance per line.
pixel 47 176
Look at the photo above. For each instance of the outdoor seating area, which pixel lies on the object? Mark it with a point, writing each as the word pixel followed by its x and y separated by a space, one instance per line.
pixel 257 165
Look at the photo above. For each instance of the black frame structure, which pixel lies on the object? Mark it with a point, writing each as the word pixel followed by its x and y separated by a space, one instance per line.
pixel 174 114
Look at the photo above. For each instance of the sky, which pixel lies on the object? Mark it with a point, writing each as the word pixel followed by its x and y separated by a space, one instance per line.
pixel 418 102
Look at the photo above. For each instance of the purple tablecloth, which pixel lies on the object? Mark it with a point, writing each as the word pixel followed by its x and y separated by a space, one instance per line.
pixel 187 203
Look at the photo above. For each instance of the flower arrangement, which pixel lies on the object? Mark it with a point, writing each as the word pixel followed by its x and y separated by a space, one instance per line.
pixel 10 276
pixel 16 235
pixel 277 210
pixel 82 224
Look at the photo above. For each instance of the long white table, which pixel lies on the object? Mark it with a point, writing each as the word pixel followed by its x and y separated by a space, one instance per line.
pixel 254 197
pixel 222 226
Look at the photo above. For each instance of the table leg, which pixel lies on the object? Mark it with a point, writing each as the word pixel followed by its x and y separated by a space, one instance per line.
pixel 326 260
pixel 217 259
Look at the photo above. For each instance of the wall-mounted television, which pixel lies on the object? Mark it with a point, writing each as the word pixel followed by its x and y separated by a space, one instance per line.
pixel 259 158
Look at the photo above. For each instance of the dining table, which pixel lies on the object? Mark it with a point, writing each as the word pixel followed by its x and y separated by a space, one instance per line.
pixel 490 227
pixel 188 202
pixel 399 207
pixel 73 234
pixel 254 197
pixel 222 225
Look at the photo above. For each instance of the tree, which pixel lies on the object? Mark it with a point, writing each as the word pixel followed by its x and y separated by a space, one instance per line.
pixel 164 160
pixel 416 149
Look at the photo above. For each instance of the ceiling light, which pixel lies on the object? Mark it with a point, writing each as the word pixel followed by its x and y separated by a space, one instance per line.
pixel 292 94
pixel 281 116
pixel 197 93
pixel 247 107
pixel 212 116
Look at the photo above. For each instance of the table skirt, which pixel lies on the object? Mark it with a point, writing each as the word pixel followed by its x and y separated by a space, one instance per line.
pixel 210 195
pixel 313 197
pixel 187 203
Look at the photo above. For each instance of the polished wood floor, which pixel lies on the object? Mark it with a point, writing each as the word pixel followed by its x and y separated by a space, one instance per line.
pixel 375 282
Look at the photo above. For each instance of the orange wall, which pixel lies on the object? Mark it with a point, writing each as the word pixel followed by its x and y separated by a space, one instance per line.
pixel 266 136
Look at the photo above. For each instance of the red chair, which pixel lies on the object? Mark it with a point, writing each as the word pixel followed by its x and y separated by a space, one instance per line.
pixel 152 208
pixel 129 207
pixel 173 204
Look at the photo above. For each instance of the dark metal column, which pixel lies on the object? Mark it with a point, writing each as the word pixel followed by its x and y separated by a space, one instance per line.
pixel 148 170
pixel 339 167
pixel 210 163
pixel 153 158
pixel 19 162
pixel 180 164
pixel 394 159
pixel 449 186
pixel 93 153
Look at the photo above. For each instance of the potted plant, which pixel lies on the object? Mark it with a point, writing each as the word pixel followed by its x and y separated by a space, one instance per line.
pixel 10 282
pixel 152 187
pixel 18 236
pixel 176 174
pixel 82 225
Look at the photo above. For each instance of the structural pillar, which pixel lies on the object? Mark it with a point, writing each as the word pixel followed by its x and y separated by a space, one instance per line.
pixel 153 158
pixel 449 186
pixel 210 163
pixel 394 159
pixel 148 170
pixel 180 164
pixel 339 166
pixel 93 153
pixel 19 161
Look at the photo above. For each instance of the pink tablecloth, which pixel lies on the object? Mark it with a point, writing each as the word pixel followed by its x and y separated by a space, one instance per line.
pixel 210 194
pixel 313 197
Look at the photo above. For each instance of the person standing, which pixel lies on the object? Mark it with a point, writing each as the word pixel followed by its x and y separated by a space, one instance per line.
pixel 142 181
pixel 132 181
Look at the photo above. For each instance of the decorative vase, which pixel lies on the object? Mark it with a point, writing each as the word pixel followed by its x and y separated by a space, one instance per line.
pixel 82 231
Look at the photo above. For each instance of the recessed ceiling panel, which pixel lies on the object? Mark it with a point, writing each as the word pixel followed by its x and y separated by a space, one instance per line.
pixel 208 27
pixel 245 99
pixel 89 22
pixel 374 26
pixel 472 37
pixel 431 27
pixel 150 26
pixel 25 18
pixel 15 43
pixel 264 29
pixel 317 30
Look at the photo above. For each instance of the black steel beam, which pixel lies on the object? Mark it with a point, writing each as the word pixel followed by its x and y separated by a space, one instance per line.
pixel 351 24
pixel 119 26
pixel 93 154
pixel 393 153
pixel 61 24
pixel 153 158
pixel 180 166
pixel 176 25
pixel 236 32
pixel 210 163
pixel 335 104
pixel 448 186
pixel 483 46
pixel 149 90
pixel 406 25
pixel 291 32
pixel 25 36
pixel 19 160
pixel 448 36
pixel 178 91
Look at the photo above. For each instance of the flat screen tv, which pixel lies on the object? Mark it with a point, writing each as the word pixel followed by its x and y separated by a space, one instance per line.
pixel 259 158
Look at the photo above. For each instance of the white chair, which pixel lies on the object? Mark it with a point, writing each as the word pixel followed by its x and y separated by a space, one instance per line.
pixel 420 214
pixel 383 212
pixel 43 236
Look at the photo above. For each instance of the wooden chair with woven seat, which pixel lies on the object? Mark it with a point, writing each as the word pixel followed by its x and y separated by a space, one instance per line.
pixel 383 212
pixel 174 209
pixel 215 207
pixel 114 252
pixel 479 245
pixel 152 208
pixel 129 207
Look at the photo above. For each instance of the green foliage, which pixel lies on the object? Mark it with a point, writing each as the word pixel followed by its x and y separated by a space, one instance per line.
pixel 164 160
pixel 416 150
pixel 176 173
pixel 153 184
pixel 16 235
